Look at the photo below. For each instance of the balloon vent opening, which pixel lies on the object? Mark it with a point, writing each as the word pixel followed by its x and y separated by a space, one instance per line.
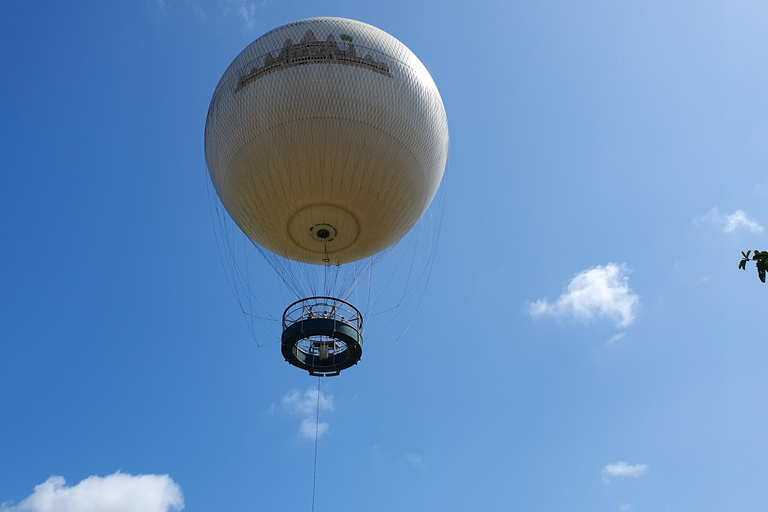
pixel 322 335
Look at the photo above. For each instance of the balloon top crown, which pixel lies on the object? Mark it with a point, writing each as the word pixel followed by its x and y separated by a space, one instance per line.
pixel 311 51
pixel 323 40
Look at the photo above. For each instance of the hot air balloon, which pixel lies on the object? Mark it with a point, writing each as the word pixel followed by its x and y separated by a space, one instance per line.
pixel 326 140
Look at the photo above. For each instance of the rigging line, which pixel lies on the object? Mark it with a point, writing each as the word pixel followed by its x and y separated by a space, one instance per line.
pixel 317 428
pixel 223 239
pixel 375 260
pixel 274 263
pixel 431 265
pixel 226 247
pixel 325 273
pixel 239 279
pixel 336 290
pixel 370 289
pixel 392 276
pixel 248 278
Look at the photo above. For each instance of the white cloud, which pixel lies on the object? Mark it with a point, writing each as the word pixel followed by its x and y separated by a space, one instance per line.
pixel 616 338
pixel 378 453
pixel 305 405
pixel 309 427
pixel 248 13
pixel 415 461
pixel 622 469
pixel 599 292
pixel 738 220
pixel 246 10
pixel 119 492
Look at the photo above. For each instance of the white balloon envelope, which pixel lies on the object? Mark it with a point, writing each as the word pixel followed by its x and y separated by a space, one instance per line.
pixel 326 140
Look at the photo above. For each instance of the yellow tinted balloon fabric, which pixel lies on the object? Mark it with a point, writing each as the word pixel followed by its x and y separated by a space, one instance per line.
pixel 326 140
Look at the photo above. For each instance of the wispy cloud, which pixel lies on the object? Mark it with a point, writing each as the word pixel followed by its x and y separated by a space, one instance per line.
pixel 245 10
pixel 306 405
pixel 623 470
pixel 377 453
pixel 118 492
pixel 599 292
pixel 616 338
pixel 736 221
pixel 309 427
pixel 415 461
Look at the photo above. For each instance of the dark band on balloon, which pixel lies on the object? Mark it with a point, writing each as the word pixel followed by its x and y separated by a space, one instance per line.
pixel 312 51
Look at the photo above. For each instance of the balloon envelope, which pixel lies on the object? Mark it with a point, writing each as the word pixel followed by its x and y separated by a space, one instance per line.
pixel 326 140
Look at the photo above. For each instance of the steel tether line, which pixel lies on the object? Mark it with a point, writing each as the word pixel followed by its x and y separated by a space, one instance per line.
pixel 317 428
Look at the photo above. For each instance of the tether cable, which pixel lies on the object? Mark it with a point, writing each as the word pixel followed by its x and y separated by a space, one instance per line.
pixel 317 429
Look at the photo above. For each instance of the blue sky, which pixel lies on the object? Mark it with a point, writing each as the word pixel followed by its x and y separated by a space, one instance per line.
pixel 586 341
